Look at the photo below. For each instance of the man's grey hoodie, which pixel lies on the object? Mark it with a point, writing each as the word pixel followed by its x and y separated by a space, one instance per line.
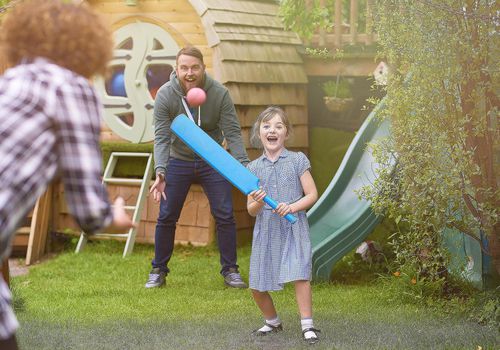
pixel 218 119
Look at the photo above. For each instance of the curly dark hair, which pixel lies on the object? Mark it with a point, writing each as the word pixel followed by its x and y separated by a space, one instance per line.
pixel 70 35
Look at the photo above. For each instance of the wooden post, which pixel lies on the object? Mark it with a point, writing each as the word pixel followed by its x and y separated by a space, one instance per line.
pixel 3 61
pixel 369 22
pixel 5 271
pixel 353 21
pixel 337 26
pixel 309 6
pixel 322 31
pixel 39 227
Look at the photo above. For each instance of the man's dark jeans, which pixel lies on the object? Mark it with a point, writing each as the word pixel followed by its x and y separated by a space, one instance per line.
pixel 180 175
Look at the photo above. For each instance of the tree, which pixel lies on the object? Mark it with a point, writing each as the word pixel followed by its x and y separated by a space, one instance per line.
pixel 443 104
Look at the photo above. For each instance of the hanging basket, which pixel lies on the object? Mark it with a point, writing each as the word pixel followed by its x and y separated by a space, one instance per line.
pixel 337 104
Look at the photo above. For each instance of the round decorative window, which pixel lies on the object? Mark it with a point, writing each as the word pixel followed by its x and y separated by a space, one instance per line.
pixel 144 57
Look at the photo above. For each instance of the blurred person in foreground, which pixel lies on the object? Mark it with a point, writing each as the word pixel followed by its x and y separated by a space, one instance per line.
pixel 50 119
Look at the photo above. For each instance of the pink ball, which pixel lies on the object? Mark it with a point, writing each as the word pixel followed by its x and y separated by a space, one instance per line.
pixel 196 97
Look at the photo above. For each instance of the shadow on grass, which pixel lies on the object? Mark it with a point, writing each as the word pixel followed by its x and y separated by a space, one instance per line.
pixel 97 300
pixel 230 333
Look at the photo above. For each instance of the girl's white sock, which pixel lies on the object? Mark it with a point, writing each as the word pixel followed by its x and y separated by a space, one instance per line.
pixel 273 322
pixel 308 323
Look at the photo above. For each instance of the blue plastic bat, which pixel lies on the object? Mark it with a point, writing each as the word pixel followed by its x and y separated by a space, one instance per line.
pixel 219 158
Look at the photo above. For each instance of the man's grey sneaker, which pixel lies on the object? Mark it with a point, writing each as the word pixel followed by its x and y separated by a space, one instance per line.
pixel 232 278
pixel 156 278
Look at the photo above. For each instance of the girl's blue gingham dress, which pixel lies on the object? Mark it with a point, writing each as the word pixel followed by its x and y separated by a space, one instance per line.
pixel 281 251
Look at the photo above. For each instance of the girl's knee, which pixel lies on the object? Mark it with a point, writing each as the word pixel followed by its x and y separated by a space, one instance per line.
pixel 258 294
pixel 303 283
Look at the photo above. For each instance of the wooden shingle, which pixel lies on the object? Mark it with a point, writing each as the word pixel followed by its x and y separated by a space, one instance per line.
pixel 256 72
pixel 257 52
pixel 268 94
pixel 254 7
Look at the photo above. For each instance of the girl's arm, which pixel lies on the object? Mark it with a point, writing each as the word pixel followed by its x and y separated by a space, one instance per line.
pixel 310 196
pixel 255 202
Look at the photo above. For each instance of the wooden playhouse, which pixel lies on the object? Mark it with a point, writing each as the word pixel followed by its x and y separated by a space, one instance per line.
pixel 245 47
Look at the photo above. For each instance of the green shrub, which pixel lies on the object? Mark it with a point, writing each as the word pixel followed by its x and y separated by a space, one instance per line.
pixel 126 167
pixel 351 269
pixel 487 308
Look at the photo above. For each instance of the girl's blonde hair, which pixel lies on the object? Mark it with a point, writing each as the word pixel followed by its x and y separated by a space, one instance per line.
pixel 70 35
pixel 265 116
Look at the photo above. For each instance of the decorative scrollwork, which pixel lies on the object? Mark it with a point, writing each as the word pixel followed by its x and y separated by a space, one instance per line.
pixel 143 58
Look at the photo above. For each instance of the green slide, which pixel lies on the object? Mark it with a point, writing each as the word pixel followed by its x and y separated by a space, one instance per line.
pixel 340 221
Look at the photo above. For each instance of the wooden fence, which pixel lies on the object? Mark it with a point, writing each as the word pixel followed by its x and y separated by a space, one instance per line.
pixel 346 25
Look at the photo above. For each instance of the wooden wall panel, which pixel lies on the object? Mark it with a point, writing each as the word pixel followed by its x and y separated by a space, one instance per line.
pixel 297 115
pixel 178 17
pixel 195 221
pixel 173 7
pixel 266 94
pixel 196 224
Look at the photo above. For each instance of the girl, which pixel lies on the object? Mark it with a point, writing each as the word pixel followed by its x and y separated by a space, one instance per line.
pixel 281 252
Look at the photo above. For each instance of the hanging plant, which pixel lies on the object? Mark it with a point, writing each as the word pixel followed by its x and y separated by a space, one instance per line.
pixel 338 95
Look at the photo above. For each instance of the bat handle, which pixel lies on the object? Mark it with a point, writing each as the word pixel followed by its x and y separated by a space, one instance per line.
pixel 273 204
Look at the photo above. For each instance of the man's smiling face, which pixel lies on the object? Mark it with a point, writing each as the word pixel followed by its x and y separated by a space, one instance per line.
pixel 190 72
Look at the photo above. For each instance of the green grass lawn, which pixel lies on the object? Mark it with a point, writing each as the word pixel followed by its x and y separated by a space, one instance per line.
pixel 97 300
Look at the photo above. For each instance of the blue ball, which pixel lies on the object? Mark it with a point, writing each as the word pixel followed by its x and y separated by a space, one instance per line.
pixel 118 85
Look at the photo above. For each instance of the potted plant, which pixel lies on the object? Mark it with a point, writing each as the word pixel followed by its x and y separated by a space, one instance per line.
pixel 337 95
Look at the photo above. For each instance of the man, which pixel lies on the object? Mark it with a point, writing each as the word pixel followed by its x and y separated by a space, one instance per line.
pixel 177 167
pixel 50 122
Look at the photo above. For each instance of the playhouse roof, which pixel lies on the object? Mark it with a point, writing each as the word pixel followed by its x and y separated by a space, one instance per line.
pixel 249 42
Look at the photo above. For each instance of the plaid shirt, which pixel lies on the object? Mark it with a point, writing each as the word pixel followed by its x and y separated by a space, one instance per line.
pixel 49 126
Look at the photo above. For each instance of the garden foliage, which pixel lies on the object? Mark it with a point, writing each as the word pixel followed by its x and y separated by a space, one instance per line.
pixel 443 106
